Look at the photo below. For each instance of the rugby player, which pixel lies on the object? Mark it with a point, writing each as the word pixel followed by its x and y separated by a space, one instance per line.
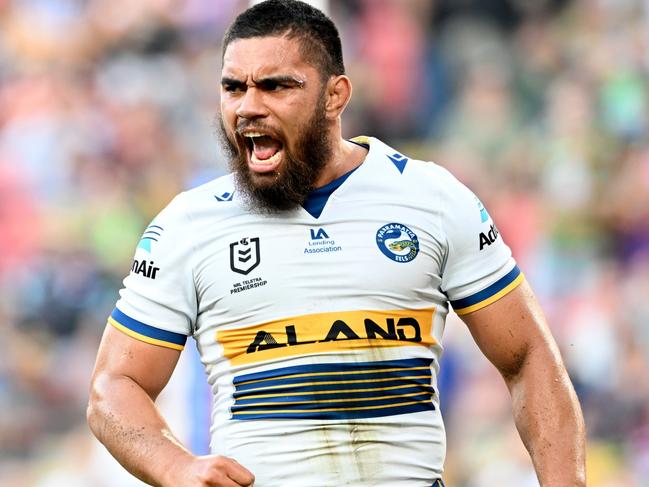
pixel 316 279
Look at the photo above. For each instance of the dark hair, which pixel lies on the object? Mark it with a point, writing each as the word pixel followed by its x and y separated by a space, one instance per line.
pixel 320 45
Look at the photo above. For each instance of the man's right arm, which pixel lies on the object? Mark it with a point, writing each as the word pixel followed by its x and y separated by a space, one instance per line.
pixel 128 376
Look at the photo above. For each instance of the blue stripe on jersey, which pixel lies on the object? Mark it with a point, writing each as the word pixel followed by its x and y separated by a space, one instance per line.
pixel 485 294
pixel 311 386
pixel 335 391
pixel 316 403
pixel 147 330
pixel 366 393
pixel 378 376
pixel 333 367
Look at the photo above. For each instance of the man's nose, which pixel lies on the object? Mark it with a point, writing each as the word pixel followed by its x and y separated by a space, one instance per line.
pixel 252 104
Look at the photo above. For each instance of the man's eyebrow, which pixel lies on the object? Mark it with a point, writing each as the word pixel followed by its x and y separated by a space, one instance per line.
pixel 280 79
pixel 231 81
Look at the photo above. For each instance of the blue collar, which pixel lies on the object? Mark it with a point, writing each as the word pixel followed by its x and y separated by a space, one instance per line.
pixel 317 199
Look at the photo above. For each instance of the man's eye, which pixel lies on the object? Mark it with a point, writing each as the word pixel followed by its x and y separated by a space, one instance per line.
pixel 232 87
pixel 272 86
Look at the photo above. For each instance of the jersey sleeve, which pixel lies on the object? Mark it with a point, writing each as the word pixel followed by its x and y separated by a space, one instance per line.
pixel 158 302
pixel 479 268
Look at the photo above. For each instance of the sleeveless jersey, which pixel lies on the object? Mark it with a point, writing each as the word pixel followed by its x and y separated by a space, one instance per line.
pixel 321 337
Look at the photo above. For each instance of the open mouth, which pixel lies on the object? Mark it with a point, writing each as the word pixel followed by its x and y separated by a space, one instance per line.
pixel 264 152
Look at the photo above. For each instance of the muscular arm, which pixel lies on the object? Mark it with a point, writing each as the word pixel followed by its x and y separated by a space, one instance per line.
pixel 513 335
pixel 128 376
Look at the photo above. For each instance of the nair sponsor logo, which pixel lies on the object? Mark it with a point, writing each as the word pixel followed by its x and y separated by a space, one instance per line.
pixel 145 269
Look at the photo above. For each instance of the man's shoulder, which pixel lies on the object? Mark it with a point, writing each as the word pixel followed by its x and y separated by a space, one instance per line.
pixel 220 189
pixel 200 200
pixel 400 164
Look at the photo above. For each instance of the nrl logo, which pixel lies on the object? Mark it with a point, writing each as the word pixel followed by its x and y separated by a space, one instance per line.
pixel 244 255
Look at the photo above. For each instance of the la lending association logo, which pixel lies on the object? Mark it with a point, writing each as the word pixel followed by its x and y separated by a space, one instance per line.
pixel 320 242
pixel 397 242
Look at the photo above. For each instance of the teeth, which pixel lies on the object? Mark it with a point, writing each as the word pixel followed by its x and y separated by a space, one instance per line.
pixel 253 134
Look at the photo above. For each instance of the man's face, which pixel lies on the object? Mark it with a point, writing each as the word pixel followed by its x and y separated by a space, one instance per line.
pixel 273 121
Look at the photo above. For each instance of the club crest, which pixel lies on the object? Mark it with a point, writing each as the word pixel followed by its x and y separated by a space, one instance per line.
pixel 397 242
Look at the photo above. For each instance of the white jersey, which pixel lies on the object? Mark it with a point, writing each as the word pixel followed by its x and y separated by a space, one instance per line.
pixel 321 330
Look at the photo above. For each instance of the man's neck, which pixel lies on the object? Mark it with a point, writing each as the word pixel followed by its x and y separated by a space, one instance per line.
pixel 345 156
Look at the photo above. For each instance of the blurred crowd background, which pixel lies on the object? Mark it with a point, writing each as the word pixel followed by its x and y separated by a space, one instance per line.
pixel 107 110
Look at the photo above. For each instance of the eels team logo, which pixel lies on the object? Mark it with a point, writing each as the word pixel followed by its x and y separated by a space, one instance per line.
pixel 397 242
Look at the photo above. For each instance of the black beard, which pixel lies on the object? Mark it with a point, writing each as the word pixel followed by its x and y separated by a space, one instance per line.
pixel 287 188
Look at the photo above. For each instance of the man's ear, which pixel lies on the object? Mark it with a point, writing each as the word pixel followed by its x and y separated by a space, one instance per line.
pixel 339 91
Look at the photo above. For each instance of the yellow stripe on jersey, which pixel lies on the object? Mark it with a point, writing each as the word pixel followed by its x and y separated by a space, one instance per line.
pixel 493 298
pixel 329 374
pixel 311 400
pixel 144 338
pixel 327 332
pixel 311 393
pixel 361 139
pixel 372 381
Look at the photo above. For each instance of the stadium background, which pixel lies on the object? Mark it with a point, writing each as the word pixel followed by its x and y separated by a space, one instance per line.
pixel 542 108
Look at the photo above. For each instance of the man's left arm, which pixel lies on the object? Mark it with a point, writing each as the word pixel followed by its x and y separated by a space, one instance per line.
pixel 513 334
